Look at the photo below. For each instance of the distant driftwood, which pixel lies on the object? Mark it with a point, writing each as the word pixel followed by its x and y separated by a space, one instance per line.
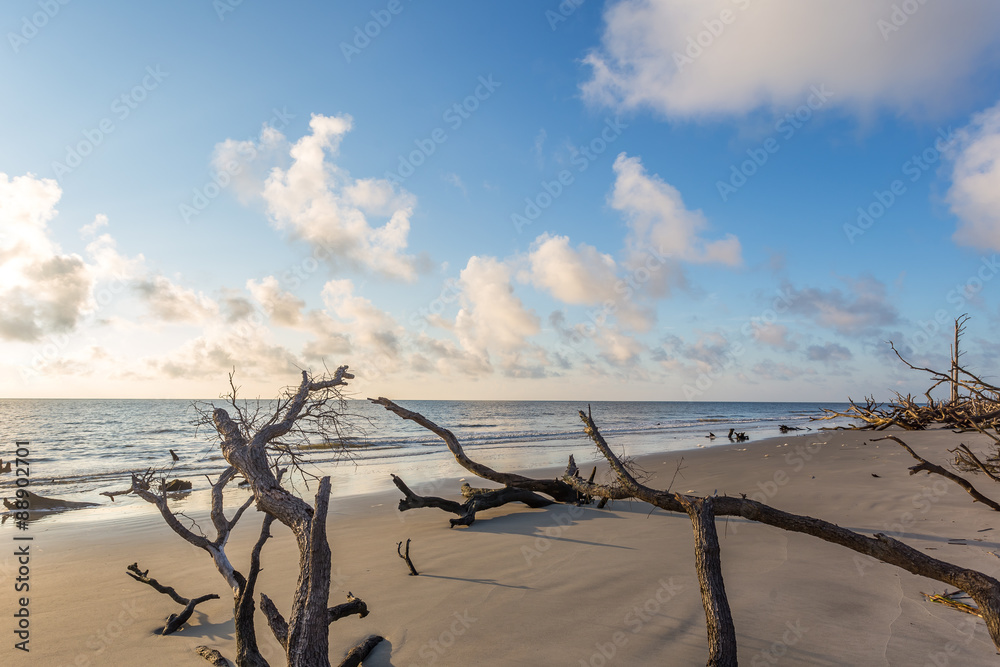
pixel 36 502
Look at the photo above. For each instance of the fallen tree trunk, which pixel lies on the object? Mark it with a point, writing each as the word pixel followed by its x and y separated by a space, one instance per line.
pixel 556 488
pixel 982 588
pixel 174 621
pixel 928 467
pixel 361 651
pixel 478 500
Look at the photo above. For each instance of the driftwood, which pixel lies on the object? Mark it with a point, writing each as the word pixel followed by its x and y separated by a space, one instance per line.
pixel 248 654
pixel 517 488
pixel 982 588
pixel 361 651
pixel 478 500
pixel 174 621
pixel 406 557
pixel 557 489
pixel 708 564
pixel 37 502
pixel 212 656
pixel 928 467
pixel 255 442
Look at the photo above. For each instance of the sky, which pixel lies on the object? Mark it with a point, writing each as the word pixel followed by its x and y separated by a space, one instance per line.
pixel 580 200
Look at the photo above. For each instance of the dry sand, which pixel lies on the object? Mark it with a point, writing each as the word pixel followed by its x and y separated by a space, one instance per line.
pixel 554 586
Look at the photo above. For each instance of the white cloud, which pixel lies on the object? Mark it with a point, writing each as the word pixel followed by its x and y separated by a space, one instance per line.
pixel 493 321
pixel 659 222
pixel 283 308
pixel 42 290
pixel 975 191
pixel 172 303
pixel 321 203
pixel 88 231
pixel 769 54
pixel 581 276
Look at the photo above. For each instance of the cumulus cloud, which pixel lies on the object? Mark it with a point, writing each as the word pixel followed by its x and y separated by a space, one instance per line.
pixel 319 202
pixel 493 321
pixel 42 289
pixel 862 309
pixel 663 55
pixel 282 307
pixel 580 275
pixel 172 303
pixel 975 190
pixel 659 223
pixel 89 231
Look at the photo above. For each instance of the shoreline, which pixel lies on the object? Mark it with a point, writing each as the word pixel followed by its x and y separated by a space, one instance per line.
pixel 619 580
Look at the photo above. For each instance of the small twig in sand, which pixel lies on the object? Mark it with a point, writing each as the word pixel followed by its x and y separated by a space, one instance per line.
pixel 406 556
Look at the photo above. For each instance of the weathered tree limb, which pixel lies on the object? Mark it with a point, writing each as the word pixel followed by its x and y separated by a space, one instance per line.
pixel 351 607
pixel 361 651
pixel 212 656
pixel 275 621
pixel 481 499
pixel 718 616
pixel 406 557
pixel 174 621
pixel 928 467
pixel 552 487
pixel 982 588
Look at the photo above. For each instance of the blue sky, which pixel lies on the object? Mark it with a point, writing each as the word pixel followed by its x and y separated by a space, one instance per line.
pixel 669 200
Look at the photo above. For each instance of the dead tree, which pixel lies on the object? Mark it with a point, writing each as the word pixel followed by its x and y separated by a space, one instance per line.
pixel 982 588
pixel 517 488
pixel 256 441
pixel 247 652
pixel 313 408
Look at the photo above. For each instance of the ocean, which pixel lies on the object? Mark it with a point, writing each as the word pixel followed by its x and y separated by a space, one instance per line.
pixel 81 447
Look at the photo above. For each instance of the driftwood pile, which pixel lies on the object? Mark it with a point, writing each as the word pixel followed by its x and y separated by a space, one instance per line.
pixel 983 589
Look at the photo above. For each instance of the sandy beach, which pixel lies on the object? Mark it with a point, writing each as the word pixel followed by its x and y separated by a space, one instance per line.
pixel 561 585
